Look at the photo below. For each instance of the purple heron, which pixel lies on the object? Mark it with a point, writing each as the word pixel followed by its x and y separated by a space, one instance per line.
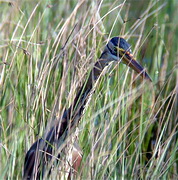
pixel 41 152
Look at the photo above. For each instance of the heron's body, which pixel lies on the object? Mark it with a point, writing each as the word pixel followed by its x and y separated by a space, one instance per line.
pixel 40 154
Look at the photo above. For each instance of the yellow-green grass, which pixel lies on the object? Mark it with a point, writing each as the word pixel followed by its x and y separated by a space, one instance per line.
pixel 46 51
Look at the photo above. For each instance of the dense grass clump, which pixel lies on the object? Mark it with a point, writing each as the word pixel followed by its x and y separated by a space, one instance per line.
pixel 129 128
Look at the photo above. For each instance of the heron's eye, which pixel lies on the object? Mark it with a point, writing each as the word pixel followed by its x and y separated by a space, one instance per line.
pixel 115 49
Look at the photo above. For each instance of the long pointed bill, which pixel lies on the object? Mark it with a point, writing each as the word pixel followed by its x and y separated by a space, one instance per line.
pixel 129 60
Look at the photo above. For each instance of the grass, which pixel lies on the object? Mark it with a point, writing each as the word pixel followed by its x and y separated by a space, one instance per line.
pixel 129 128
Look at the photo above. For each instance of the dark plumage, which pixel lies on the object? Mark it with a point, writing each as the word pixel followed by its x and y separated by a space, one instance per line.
pixel 41 152
pixel 121 43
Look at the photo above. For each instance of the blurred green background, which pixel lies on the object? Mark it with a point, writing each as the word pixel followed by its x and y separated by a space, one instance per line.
pixel 46 51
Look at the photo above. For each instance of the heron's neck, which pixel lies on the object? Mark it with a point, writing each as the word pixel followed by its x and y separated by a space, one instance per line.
pixel 72 115
pixel 77 108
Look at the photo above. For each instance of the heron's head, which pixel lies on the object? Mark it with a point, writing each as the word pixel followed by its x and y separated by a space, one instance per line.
pixel 119 49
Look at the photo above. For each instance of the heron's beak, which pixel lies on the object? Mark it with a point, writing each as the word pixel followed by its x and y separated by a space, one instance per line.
pixel 129 60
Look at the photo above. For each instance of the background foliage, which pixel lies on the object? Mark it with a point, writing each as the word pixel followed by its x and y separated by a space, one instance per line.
pixel 129 128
